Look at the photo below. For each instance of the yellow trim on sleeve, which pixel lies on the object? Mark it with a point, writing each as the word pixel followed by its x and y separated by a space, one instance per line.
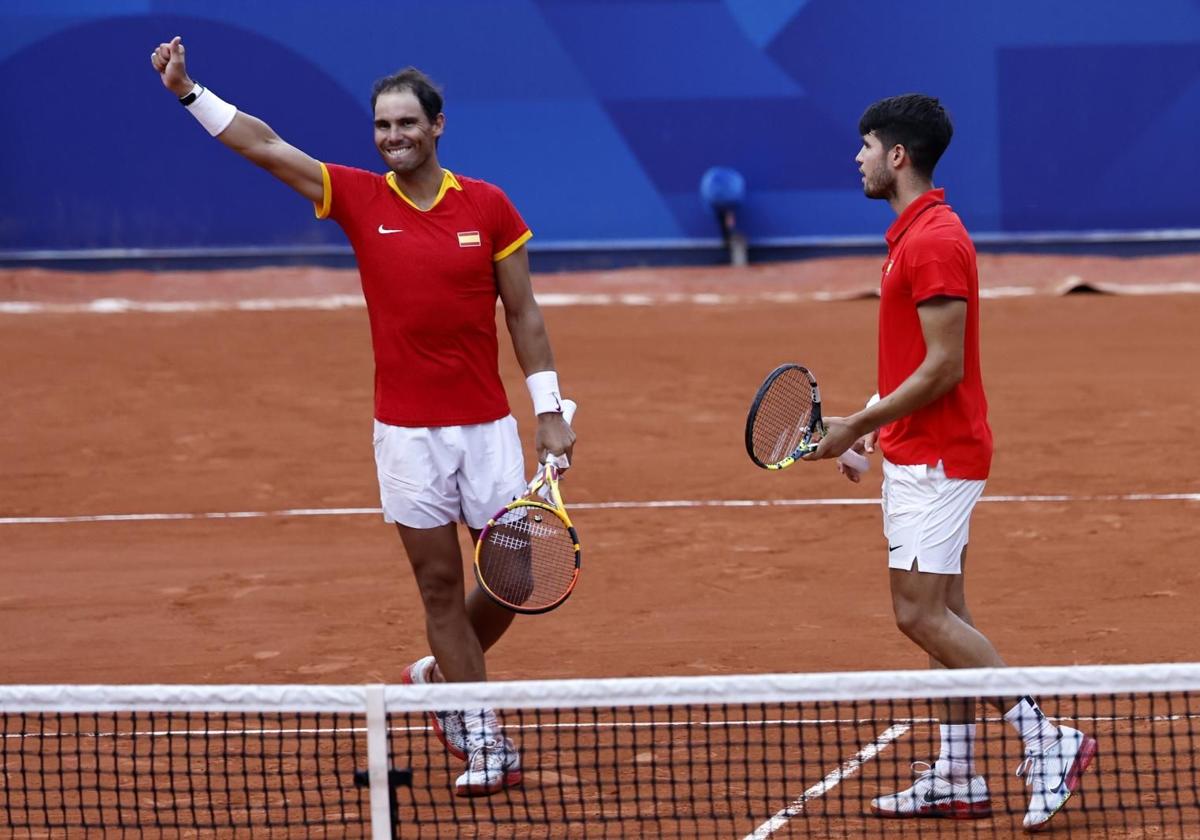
pixel 322 209
pixel 449 182
pixel 521 240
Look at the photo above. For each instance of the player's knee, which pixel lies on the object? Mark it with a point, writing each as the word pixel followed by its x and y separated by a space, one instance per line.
pixel 441 589
pixel 912 620
pixel 440 600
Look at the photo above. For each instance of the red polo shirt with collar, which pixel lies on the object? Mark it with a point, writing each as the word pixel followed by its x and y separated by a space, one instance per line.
pixel 429 279
pixel 931 255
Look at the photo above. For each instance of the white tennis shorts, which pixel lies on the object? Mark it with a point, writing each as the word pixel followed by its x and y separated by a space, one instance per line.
pixel 927 517
pixel 432 476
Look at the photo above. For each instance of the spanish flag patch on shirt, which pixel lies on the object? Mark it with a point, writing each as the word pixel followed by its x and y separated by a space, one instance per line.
pixel 469 239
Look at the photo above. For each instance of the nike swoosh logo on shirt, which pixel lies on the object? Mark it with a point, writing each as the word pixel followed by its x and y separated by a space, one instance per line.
pixel 382 229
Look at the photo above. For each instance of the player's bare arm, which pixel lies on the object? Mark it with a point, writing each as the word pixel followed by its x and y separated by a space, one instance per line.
pixel 943 326
pixel 247 135
pixel 531 344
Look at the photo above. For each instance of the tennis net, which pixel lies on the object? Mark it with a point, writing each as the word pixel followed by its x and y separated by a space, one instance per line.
pixel 726 757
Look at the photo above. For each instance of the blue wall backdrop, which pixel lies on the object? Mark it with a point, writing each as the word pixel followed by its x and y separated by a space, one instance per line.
pixel 600 117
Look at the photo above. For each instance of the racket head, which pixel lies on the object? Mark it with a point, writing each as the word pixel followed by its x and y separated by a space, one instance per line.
pixel 785 414
pixel 527 556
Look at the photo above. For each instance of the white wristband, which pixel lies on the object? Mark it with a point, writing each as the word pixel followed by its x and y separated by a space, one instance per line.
pixel 543 389
pixel 213 112
pixel 874 399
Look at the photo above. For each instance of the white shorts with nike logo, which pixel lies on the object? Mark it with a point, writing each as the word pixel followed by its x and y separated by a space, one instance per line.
pixel 431 476
pixel 927 517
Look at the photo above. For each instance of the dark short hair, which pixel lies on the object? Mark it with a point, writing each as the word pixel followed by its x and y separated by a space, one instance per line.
pixel 917 122
pixel 417 83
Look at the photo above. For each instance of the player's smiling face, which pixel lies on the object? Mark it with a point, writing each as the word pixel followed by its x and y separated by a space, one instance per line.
pixel 878 179
pixel 404 135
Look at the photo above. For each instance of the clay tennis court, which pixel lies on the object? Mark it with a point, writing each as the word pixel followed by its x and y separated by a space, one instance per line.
pixel 211 410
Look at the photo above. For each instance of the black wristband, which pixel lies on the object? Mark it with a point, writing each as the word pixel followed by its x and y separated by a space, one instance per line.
pixel 191 97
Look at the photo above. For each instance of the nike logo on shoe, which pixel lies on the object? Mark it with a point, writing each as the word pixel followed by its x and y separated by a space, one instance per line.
pixel 382 229
pixel 930 796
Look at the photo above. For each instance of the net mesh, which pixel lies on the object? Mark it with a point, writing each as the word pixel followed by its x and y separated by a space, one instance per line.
pixel 160 774
pixel 782 416
pixel 738 757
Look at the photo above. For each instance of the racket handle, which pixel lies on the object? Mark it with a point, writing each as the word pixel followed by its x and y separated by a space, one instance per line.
pixel 855 461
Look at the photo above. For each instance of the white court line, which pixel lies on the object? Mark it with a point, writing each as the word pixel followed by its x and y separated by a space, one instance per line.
pixel 109 306
pixel 670 503
pixel 113 306
pixel 829 782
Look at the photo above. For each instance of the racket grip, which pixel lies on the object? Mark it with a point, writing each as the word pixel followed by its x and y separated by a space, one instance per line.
pixel 855 461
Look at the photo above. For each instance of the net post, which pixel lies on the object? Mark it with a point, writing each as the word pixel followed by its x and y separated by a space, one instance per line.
pixel 380 788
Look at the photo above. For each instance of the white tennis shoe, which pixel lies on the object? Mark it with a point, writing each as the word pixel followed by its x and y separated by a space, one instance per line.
pixel 493 766
pixel 449 727
pixel 933 796
pixel 1054 774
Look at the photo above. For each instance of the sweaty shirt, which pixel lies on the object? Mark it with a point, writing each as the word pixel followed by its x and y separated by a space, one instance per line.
pixel 931 255
pixel 429 280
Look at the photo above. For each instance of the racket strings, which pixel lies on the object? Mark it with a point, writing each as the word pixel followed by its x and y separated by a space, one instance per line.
pixel 527 558
pixel 783 417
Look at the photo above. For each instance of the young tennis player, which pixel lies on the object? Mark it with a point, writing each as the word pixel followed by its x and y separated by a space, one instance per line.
pixel 434 250
pixel 930 421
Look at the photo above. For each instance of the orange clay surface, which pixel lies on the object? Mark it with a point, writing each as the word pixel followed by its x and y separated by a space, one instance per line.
pixel 219 411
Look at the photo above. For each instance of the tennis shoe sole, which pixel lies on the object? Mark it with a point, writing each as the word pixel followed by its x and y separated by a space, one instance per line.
pixel 954 810
pixel 509 779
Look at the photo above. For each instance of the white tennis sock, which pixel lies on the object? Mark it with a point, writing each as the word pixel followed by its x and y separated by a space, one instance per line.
pixel 956 762
pixel 1035 729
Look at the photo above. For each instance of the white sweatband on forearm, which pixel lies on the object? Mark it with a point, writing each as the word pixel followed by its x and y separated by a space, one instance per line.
pixel 874 399
pixel 213 112
pixel 543 389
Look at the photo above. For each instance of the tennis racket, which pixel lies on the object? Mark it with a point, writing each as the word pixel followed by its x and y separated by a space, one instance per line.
pixel 784 417
pixel 527 557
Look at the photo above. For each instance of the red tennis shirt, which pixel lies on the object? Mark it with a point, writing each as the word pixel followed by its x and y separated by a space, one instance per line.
pixel 430 284
pixel 930 255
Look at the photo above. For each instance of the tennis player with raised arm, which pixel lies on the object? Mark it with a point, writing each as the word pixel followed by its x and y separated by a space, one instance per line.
pixel 930 421
pixel 434 251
